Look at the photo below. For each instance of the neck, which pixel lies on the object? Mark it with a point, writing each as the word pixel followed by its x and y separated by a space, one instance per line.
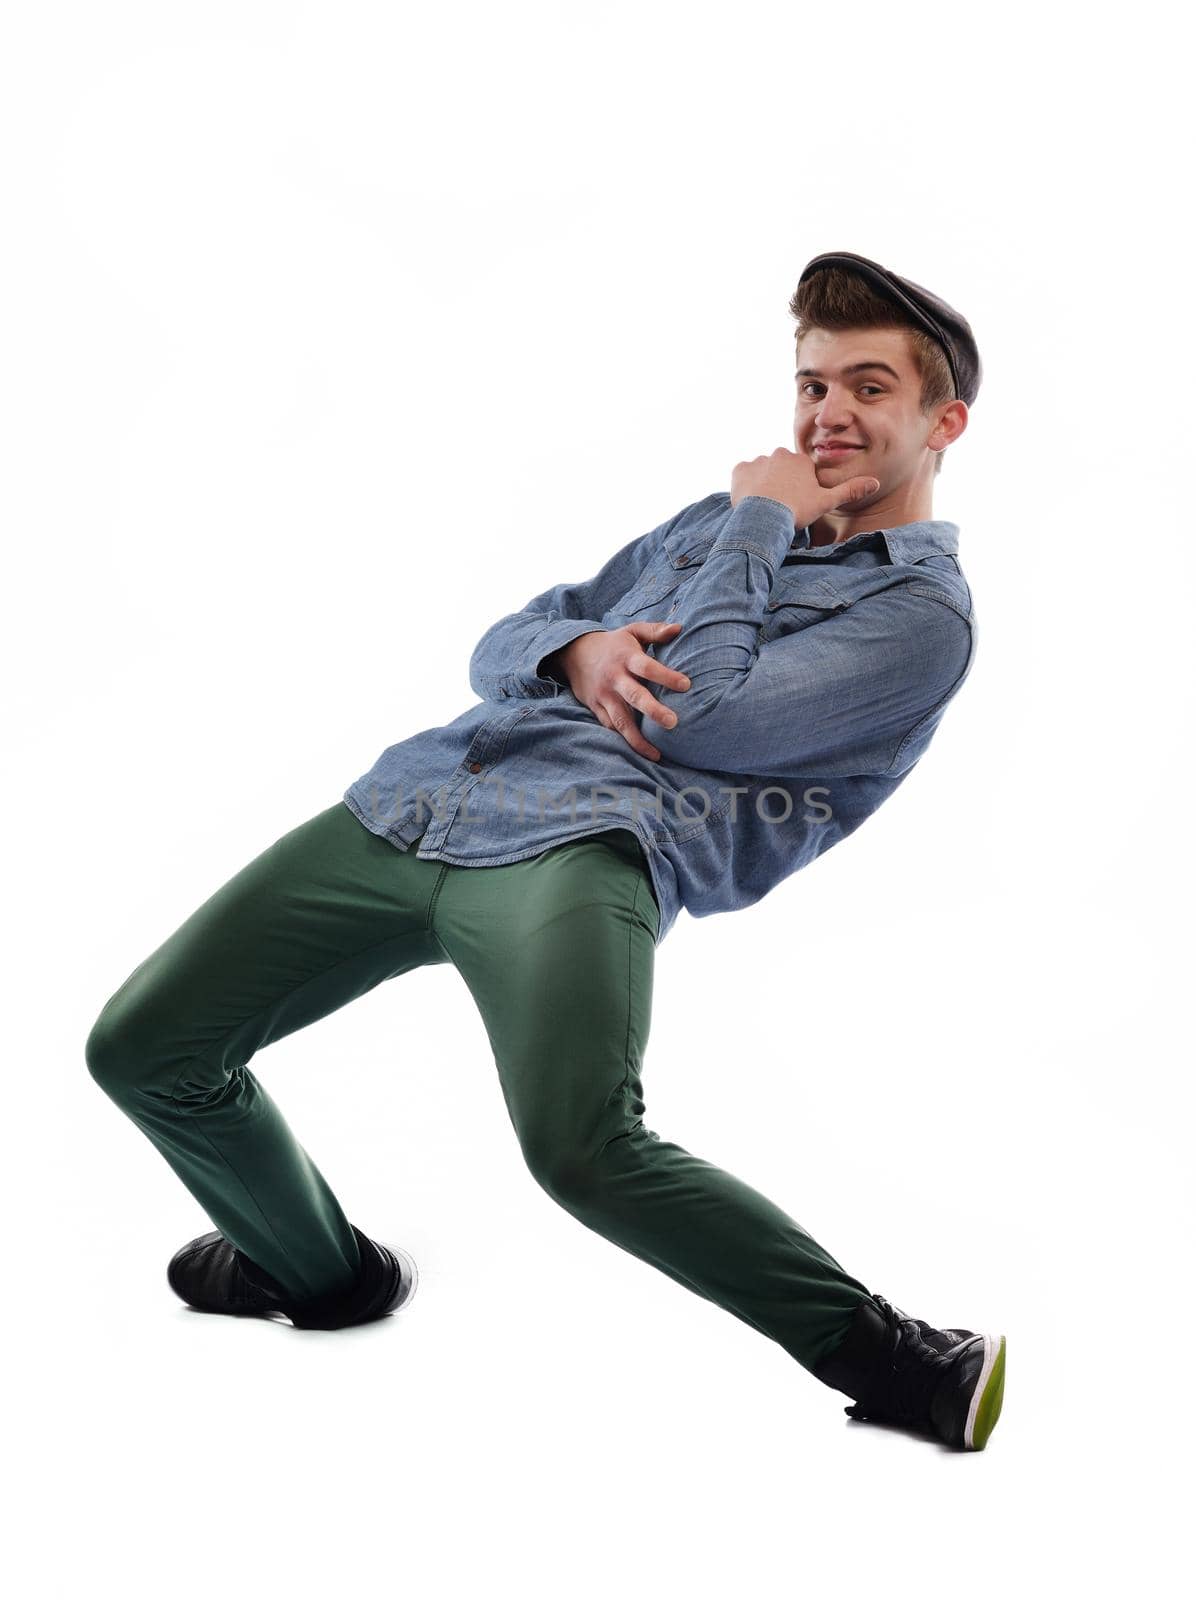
pixel 908 502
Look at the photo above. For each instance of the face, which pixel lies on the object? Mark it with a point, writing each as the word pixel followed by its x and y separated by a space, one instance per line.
pixel 873 408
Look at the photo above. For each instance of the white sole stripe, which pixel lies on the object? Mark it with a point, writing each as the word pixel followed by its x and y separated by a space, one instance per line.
pixel 991 1347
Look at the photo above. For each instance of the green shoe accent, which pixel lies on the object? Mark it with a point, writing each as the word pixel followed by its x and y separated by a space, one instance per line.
pixel 989 1408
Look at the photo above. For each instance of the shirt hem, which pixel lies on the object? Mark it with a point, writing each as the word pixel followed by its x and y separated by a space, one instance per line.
pixel 403 838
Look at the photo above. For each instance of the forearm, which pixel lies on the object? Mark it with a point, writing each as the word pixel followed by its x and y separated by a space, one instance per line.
pixel 856 695
pixel 722 606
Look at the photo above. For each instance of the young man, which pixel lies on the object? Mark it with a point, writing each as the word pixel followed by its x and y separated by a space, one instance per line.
pixel 790 648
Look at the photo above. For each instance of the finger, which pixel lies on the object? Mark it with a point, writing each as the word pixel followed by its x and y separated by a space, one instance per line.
pixel 645 632
pixel 649 667
pixel 622 721
pixel 846 494
pixel 636 695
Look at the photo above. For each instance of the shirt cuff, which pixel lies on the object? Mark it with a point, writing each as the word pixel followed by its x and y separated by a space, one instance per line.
pixel 760 525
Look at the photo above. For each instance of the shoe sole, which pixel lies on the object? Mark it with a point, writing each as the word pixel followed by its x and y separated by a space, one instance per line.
pixel 987 1396
pixel 410 1276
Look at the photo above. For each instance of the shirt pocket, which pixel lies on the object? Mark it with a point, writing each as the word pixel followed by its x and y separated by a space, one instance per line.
pixel 653 587
pixel 794 606
pixel 682 553
pixel 800 602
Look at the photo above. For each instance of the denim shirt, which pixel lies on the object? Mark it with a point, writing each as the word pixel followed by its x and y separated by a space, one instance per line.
pixel 818 677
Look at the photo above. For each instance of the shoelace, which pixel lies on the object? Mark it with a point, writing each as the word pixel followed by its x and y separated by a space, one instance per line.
pixel 901 1389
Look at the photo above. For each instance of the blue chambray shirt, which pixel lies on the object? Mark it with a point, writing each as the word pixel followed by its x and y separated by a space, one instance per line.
pixel 818 677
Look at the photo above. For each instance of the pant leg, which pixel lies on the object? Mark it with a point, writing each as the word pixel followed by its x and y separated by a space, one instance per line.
pixel 324 915
pixel 558 953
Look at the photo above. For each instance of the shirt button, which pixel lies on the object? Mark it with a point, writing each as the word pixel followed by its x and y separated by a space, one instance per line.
pixel 475 766
pixel 682 560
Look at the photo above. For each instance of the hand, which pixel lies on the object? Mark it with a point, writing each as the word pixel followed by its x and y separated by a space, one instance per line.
pixel 604 670
pixel 793 480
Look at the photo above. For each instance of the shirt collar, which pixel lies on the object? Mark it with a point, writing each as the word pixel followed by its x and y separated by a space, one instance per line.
pixel 911 542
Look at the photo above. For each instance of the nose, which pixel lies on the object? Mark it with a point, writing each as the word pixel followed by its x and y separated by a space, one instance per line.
pixel 833 412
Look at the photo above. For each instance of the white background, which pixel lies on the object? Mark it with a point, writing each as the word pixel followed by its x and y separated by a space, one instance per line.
pixel 331 333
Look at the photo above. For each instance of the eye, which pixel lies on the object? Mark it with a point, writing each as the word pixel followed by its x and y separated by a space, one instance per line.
pixel 875 386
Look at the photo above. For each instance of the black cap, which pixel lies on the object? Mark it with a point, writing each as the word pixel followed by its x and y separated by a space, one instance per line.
pixel 938 319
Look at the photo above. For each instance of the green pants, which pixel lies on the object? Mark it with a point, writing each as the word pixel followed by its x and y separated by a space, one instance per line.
pixel 557 952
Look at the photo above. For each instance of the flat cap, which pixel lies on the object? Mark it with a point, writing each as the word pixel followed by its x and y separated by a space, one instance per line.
pixel 941 321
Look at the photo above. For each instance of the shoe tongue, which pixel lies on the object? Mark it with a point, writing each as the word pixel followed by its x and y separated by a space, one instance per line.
pixel 942 1339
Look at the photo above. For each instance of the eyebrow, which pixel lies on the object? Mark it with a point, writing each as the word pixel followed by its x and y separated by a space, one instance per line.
pixel 857 366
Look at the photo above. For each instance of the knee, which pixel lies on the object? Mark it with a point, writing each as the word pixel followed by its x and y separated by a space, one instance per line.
pixel 115 1052
pixel 103 1052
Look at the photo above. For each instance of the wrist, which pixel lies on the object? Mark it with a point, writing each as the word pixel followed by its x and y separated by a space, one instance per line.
pixel 553 667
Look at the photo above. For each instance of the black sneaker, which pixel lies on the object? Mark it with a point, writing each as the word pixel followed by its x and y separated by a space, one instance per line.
pixel 946 1382
pixel 211 1274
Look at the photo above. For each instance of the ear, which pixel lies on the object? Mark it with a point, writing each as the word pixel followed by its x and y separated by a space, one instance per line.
pixel 953 420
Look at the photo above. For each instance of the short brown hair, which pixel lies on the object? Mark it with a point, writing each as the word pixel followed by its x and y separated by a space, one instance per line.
pixel 836 300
